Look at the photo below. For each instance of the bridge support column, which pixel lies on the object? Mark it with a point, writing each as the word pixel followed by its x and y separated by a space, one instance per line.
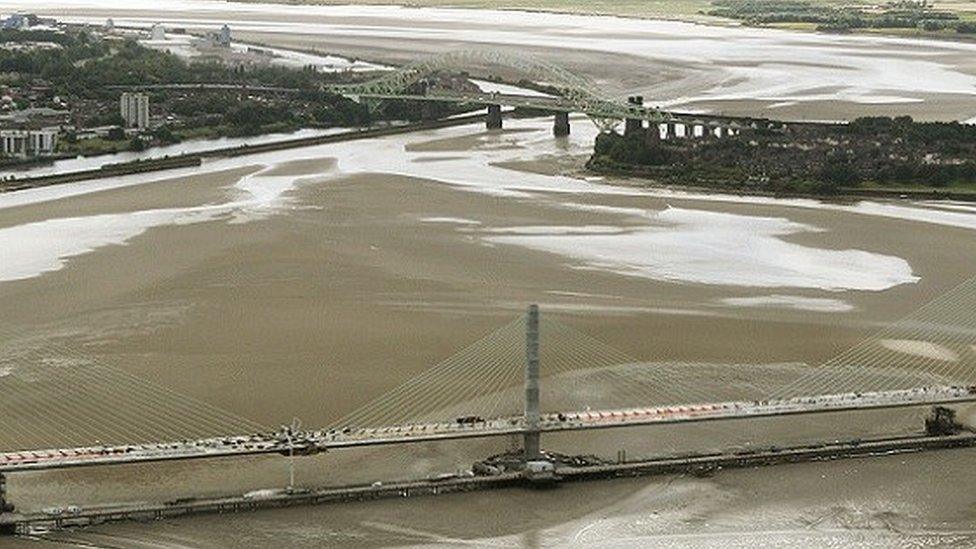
pixel 672 131
pixel 633 125
pixel 494 119
pixel 5 506
pixel 561 126
pixel 531 443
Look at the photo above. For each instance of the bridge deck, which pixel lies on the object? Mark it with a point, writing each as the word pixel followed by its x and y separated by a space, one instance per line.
pixel 561 104
pixel 320 441
pixel 554 103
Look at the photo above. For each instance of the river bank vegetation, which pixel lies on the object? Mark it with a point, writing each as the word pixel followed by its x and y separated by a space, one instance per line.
pixel 78 76
pixel 876 153
pixel 88 74
pixel 920 15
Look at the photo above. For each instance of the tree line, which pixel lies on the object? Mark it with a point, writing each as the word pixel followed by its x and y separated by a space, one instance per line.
pixel 894 15
pixel 825 159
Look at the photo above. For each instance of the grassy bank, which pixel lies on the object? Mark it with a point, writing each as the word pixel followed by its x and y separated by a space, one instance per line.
pixel 914 18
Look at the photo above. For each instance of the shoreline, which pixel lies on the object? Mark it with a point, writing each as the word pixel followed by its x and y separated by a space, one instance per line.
pixel 196 159
pixel 614 177
pixel 635 180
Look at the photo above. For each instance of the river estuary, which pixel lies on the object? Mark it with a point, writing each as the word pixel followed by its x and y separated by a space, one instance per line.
pixel 305 283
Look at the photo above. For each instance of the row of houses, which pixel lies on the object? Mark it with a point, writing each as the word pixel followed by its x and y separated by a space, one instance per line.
pixel 21 141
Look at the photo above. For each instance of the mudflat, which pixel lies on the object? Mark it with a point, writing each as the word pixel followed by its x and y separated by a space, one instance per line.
pixel 360 280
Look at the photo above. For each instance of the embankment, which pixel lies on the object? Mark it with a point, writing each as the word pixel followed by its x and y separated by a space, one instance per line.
pixel 196 159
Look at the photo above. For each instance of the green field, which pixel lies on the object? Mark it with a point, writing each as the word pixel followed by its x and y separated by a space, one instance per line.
pixel 96 145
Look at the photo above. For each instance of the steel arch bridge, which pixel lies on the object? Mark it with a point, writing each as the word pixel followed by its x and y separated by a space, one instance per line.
pixel 576 92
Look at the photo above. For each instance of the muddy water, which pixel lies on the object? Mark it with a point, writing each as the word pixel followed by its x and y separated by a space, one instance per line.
pixel 309 282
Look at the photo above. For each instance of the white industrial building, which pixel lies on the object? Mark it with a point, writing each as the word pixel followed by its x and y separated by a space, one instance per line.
pixel 28 143
pixel 157 32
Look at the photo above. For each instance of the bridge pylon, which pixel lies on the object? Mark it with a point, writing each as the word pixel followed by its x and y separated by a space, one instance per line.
pixel 634 125
pixel 532 428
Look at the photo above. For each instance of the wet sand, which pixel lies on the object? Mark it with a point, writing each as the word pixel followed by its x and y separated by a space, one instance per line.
pixel 177 192
pixel 358 281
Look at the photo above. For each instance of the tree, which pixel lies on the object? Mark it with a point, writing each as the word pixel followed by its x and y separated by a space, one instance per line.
pixel 165 136
pixel 966 28
pixel 339 111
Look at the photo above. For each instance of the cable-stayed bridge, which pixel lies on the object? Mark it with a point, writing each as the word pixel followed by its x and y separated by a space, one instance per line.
pixel 531 377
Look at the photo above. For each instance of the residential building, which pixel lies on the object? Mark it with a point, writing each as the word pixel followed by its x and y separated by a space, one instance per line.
pixel 134 108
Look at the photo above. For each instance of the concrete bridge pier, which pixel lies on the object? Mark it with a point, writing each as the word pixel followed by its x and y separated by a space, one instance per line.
pixel 560 127
pixel 494 119
pixel 672 130
pixel 532 429
pixel 634 125
pixel 5 506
